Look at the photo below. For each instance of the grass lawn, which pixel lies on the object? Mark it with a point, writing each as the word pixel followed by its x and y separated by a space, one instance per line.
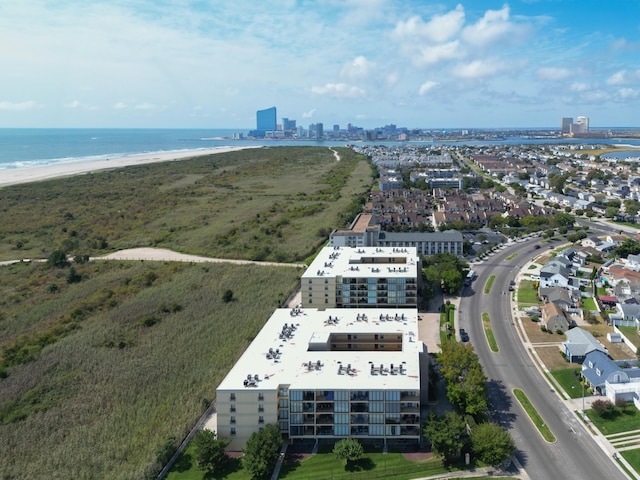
pixel 588 303
pixel 632 334
pixel 633 457
pixel 487 286
pixel 186 468
pixel 513 255
pixel 527 294
pixel 617 422
pixel 569 382
pixel 395 466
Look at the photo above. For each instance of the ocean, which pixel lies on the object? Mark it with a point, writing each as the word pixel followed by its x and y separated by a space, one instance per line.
pixel 30 147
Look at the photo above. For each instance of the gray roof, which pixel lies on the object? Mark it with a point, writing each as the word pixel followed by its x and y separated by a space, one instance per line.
pixel 579 342
pixel 597 367
pixel 630 309
pixel 556 294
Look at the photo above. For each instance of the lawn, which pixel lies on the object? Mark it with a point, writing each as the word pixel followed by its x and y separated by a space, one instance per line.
pixel 186 468
pixel 527 294
pixel 491 339
pixel 569 381
pixel 633 457
pixel 632 334
pixel 395 466
pixel 588 303
pixel 616 422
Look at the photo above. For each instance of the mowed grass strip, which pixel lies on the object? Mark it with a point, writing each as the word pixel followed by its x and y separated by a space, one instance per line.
pixel 489 284
pixel 533 414
pixel 151 342
pixel 491 339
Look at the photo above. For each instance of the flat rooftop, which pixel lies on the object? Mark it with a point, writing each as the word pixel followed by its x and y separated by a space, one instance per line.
pixel 292 363
pixel 367 262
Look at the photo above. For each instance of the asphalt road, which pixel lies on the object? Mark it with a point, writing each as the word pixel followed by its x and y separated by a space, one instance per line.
pixel 575 454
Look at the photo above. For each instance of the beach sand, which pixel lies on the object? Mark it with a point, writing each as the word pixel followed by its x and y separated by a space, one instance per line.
pixel 34 174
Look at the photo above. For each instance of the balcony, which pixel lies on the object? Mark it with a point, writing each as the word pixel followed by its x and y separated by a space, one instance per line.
pixel 359 419
pixel 324 407
pixel 410 431
pixel 324 419
pixel 360 407
pixel 410 408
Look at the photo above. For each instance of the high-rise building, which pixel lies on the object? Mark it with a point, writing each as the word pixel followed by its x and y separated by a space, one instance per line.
pixel 288 124
pixel 565 125
pixel 583 124
pixel 265 122
pixel 319 131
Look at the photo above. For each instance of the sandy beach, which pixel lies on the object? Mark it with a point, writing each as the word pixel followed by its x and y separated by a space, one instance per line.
pixel 34 174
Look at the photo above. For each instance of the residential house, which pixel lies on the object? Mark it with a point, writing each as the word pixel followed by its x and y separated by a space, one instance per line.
pixel 558 295
pixel 617 380
pixel 578 344
pixel 555 318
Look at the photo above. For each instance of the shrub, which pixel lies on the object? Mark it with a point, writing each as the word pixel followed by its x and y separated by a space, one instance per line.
pixel 227 296
pixel 602 406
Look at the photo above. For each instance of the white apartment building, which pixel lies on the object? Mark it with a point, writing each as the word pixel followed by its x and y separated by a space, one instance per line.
pixel 328 374
pixel 364 277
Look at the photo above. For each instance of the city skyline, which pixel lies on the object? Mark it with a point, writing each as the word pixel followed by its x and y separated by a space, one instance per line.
pixel 211 64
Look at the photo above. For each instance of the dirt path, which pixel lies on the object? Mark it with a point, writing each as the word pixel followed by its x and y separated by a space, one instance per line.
pixel 166 255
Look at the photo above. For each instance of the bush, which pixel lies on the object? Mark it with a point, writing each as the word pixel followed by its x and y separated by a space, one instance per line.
pixel 227 296
pixel 348 449
pixel 535 318
pixel 601 406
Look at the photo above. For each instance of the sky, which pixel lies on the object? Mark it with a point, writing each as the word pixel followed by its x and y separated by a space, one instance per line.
pixel 417 64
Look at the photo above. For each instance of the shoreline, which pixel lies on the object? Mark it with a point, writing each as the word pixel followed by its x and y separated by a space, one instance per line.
pixel 57 170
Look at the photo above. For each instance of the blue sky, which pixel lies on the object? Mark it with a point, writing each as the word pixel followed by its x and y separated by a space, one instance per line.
pixel 213 63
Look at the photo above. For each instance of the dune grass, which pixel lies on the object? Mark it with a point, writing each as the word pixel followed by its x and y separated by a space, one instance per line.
pixel 149 344
pixel 275 204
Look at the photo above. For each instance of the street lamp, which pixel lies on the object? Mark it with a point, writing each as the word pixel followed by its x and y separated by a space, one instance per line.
pixel 581 383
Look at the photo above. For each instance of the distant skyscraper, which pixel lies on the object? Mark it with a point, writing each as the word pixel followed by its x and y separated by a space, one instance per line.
pixel 266 120
pixel 565 126
pixel 288 124
pixel 319 131
pixel 583 124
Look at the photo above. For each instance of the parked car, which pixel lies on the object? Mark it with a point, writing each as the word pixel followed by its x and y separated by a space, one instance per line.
pixel 464 336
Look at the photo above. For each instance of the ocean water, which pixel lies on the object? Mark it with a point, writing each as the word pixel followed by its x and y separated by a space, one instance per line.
pixel 30 147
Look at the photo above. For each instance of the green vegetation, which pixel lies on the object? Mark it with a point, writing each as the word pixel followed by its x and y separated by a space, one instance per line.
pixel 489 284
pixel 569 381
pixel 512 256
pixel 261 451
pixel 615 420
pixel 528 294
pixel 348 450
pixel 632 335
pixel 466 381
pixel 535 417
pixel 588 303
pixel 275 204
pixel 633 457
pixel 83 370
pixel 372 465
pixel 491 339
pixel 186 468
pixel 210 451
pixel 447 314
pixel 444 270
pixel 447 433
pixel 491 443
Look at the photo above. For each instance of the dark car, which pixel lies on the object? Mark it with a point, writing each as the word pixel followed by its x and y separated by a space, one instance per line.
pixel 536 247
pixel 464 336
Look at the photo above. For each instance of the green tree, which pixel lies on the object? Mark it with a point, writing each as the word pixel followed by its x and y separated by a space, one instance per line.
pixel 466 381
pixel 610 212
pixel 58 259
pixel 627 247
pixel 262 450
pixel 491 443
pixel 227 296
pixel 348 449
pixel 210 451
pixel 447 433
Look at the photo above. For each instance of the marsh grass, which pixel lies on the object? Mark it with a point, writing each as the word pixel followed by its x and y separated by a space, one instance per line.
pixel 275 204
pixel 101 400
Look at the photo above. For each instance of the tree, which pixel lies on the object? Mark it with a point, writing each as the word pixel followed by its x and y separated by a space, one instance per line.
pixel 491 443
pixel 627 247
pixel 447 433
pixel 227 296
pixel 348 449
pixel 262 450
pixel 58 259
pixel 210 451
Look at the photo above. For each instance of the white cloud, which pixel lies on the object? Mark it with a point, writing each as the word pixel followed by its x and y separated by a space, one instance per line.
pixel 357 69
pixel 339 90
pixel 309 114
pixel 76 104
pixel 578 87
pixel 629 93
pixel 439 29
pixel 392 79
pixel 18 106
pixel 494 28
pixel 436 53
pixel 120 106
pixel 624 77
pixel 479 69
pixel 426 86
pixel 553 73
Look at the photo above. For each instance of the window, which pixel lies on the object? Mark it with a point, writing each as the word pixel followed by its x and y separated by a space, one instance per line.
pixel 260 419
pixel 232 397
pixel 233 431
pixel 261 407
pixel 232 419
pixel 261 396
pixel 232 408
